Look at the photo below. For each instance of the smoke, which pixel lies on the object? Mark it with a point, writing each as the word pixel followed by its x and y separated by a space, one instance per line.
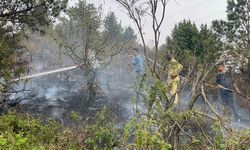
pixel 56 94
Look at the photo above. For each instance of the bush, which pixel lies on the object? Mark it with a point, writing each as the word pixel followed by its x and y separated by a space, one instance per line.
pixel 21 131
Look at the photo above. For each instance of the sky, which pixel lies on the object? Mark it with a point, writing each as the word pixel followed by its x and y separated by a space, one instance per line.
pixel 198 11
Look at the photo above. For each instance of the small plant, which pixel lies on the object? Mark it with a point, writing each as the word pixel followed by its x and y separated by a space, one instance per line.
pixel 102 134
pixel 143 134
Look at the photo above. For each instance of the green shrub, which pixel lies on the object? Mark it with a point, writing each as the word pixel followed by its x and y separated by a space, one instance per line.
pixel 143 134
pixel 21 131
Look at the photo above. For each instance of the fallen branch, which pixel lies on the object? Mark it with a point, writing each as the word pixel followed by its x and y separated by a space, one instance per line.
pixel 235 91
pixel 211 108
pixel 203 132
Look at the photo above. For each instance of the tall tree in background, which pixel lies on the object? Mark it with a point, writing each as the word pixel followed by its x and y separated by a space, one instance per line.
pixel 113 35
pixel 112 29
pixel 209 46
pixel 184 37
pixel 187 40
pixel 129 35
pixel 235 32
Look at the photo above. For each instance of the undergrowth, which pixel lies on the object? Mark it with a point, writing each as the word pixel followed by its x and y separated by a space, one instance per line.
pixel 22 131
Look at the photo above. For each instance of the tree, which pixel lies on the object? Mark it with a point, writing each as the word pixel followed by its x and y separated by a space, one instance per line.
pixel 79 38
pixel 113 35
pixel 235 32
pixel 187 39
pixel 184 37
pixel 129 35
pixel 112 29
pixel 11 65
pixel 209 45
pixel 14 59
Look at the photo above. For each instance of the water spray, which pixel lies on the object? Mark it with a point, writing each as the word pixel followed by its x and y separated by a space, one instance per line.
pixel 46 73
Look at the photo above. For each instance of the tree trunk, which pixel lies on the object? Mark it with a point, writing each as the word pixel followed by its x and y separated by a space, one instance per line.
pixel 91 86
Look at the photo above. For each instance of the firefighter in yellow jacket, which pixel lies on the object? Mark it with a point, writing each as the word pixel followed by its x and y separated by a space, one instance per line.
pixel 173 81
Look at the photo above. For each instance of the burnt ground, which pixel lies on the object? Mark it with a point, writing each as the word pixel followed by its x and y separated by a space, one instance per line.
pixel 75 102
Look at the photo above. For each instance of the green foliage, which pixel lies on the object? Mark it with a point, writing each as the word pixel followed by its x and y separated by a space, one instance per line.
pixel 143 134
pixel 115 36
pixel 102 134
pixel 158 96
pixel 235 31
pixel 81 31
pixel 74 116
pixel 209 45
pixel 82 25
pixel 3 141
pixel 85 16
pixel 6 62
pixel 187 40
pixel 184 37
pixel 112 29
pixel 18 131
pixel 11 62
pixel 24 132
pixel 19 14
pixel 129 35
pixel 233 140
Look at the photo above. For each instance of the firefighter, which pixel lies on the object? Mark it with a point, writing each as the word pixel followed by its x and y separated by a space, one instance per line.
pixel 173 81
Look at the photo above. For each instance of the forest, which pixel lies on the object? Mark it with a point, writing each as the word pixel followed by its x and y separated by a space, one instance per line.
pixel 73 77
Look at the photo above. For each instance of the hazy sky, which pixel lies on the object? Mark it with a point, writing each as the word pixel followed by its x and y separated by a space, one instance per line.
pixel 199 11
